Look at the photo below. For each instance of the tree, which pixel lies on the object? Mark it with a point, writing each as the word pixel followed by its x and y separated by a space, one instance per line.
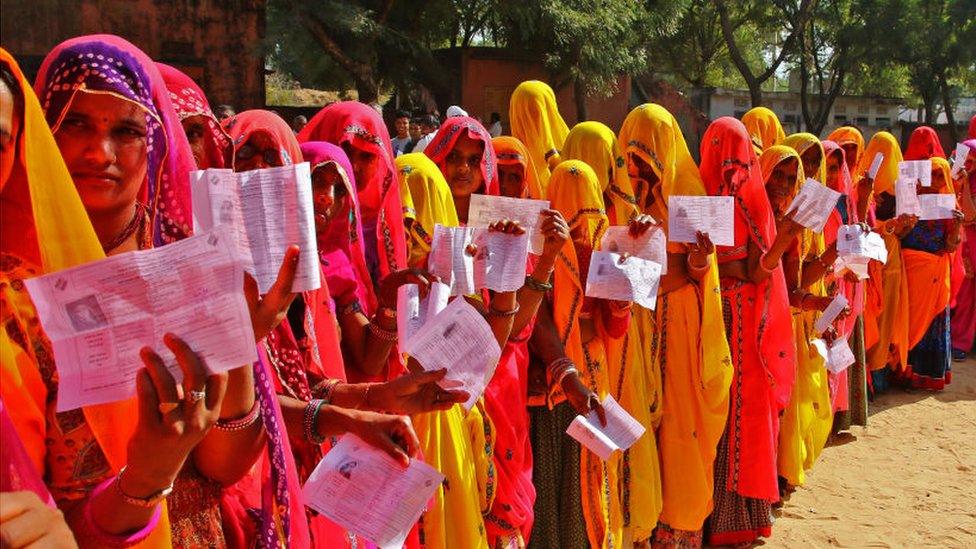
pixel 779 17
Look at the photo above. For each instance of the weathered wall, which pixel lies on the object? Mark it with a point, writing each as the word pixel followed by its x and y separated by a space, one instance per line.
pixel 218 43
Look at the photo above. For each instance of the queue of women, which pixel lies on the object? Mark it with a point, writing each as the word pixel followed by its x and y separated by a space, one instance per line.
pixel 736 401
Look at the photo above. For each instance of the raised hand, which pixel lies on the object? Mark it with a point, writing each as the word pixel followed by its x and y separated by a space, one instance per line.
pixel 392 282
pixel 268 311
pixel 415 393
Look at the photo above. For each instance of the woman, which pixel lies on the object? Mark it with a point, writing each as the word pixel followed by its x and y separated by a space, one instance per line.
pixel 964 314
pixel 208 140
pixel 361 133
pixel 850 139
pixel 926 251
pixel 763 127
pixel 923 144
pixel 596 144
pixel 685 382
pixel 762 354
pixel 535 121
pixel 517 176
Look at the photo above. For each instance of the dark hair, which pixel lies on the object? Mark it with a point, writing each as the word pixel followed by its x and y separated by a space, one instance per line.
pixel 402 114
pixel 495 117
pixel 430 120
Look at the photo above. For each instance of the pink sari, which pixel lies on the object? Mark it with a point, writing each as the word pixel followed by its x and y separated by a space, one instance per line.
pixel 963 322
pixel 189 101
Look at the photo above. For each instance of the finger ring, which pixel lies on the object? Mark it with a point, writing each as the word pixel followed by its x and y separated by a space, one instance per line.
pixel 196 396
pixel 167 407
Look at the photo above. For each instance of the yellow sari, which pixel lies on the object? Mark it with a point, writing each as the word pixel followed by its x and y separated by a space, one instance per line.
pixel 846 135
pixel 575 191
pixel 64 237
pixel 454 442
pixel 536 122
pixel 683 351
pixel 595 144
pixel 764 128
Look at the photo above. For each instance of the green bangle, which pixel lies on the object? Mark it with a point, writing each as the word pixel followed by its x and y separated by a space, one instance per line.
pixel 534 284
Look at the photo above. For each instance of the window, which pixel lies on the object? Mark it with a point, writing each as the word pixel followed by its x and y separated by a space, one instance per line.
pixel 881 110
pixel 840 108
pixel 882 121
pixel 861 121
pixel 840 120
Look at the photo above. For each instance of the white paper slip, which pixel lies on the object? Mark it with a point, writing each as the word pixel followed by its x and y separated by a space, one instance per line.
pixel 875 247
pixel 100 314
pixel 268 210
pixel 486 209
pixel 620 432
pixel 634 280
pixel 365 491
pixel 449 259
pixel 413 311
pixel 875 165
pixel 830 313
pixel 936 206
pixel 916 171
pixel 851 240
pixel 855 264
pixel 708 214
pixel 652 245
pixel 500 261
pixel 906 198
pixel 959 159
pixel 813 204
pixel 837 357
pixel 460 340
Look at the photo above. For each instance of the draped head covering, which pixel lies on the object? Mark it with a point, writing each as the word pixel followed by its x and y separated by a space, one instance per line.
pixel 445 139
pixel 189 101
pixel 726 147
pixel 887 145
pixel 360 126
pixel 844 184
pixel 535 121
pixel 972 127
pixel 64 238
pixel 802 142
pixel 596 144
pixel 103 63
pixel 774 156
pixel 923 144
pixel 243 125
pixel 432 199
pixel 845 135
pixel 763 127
pixel 511 152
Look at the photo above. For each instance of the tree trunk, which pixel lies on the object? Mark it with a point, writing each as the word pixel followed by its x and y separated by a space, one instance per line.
pixel 947 104
pixel 755 92
pixel 368 88
pixel 579 95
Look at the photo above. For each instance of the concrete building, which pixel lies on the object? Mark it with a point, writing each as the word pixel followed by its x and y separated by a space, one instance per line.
pixel 219 43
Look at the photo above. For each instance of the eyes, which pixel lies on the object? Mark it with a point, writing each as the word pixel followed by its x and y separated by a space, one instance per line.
pixel 126 131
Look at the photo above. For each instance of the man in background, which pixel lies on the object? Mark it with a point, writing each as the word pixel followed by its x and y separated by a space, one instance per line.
pixel 402 126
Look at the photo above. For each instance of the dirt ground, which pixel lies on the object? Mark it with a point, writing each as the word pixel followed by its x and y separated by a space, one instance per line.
pixel 906 480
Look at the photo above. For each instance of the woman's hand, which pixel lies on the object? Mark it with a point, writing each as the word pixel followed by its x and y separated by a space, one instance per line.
pixel 787 229
pixel 641 224
pixel 699 251
pixel 26 522
pixel 504 226
pixel 173 418
pixel 391 434
pixel 581 398
pixel 415 393
pixel 556 232
pixel 904 223
pixel 392 282
pixel 268 311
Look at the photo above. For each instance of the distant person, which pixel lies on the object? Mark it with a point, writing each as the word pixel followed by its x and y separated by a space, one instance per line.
pixel 298 123
pixel 403 137
pixel 428 126
pixel 454 110
pixel 224 112
pixel 495 127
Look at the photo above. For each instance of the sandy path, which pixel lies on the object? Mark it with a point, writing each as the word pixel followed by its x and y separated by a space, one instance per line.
pixel 907 480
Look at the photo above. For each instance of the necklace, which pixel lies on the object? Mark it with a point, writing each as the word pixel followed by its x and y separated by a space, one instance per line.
pixel 128 231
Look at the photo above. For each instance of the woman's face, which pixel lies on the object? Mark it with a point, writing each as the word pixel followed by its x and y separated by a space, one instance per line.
pixel 364 164
pixel 195 128
pixel 329 195
pixel 8 133
pixel 850 154
pixel 833 170
pixel 779 185
pixel 462 168
pixel 103 140
pixel 511 178
pixel 259 152
pixel 811 161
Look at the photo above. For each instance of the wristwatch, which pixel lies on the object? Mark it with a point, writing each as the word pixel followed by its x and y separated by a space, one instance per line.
pixel 146 502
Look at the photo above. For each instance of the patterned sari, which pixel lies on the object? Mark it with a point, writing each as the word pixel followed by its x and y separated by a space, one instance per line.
pixel 764 128
pixel 964 313
pixel 595 144
pixel 189 101
pixel 536 122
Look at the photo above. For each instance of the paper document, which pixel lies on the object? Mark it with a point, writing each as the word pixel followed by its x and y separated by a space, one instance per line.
pixel 854 241
pixel 498 264
pixel 875 165
pixel 838 356
pixel 620 432
pixel 959 159
pixel 708 214
pixel 634 280
pixel 413 311
pixel 906 198
pixel 936 206
pixel 855 264
pixel 812 205
pixel 100 314
pixel 460 340
pixel 486 209
pixel 268 210
pixel 916 171
pixel 831 313
pixel 652 245
pixel 365 491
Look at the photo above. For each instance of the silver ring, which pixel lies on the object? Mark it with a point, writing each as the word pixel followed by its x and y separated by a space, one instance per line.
pixel 195 396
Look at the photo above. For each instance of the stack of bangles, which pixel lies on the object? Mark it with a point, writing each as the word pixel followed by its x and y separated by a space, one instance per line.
pixel 558 369
pixel 310 421
pixel 383 333
pixel 240 424
pixel 533 284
